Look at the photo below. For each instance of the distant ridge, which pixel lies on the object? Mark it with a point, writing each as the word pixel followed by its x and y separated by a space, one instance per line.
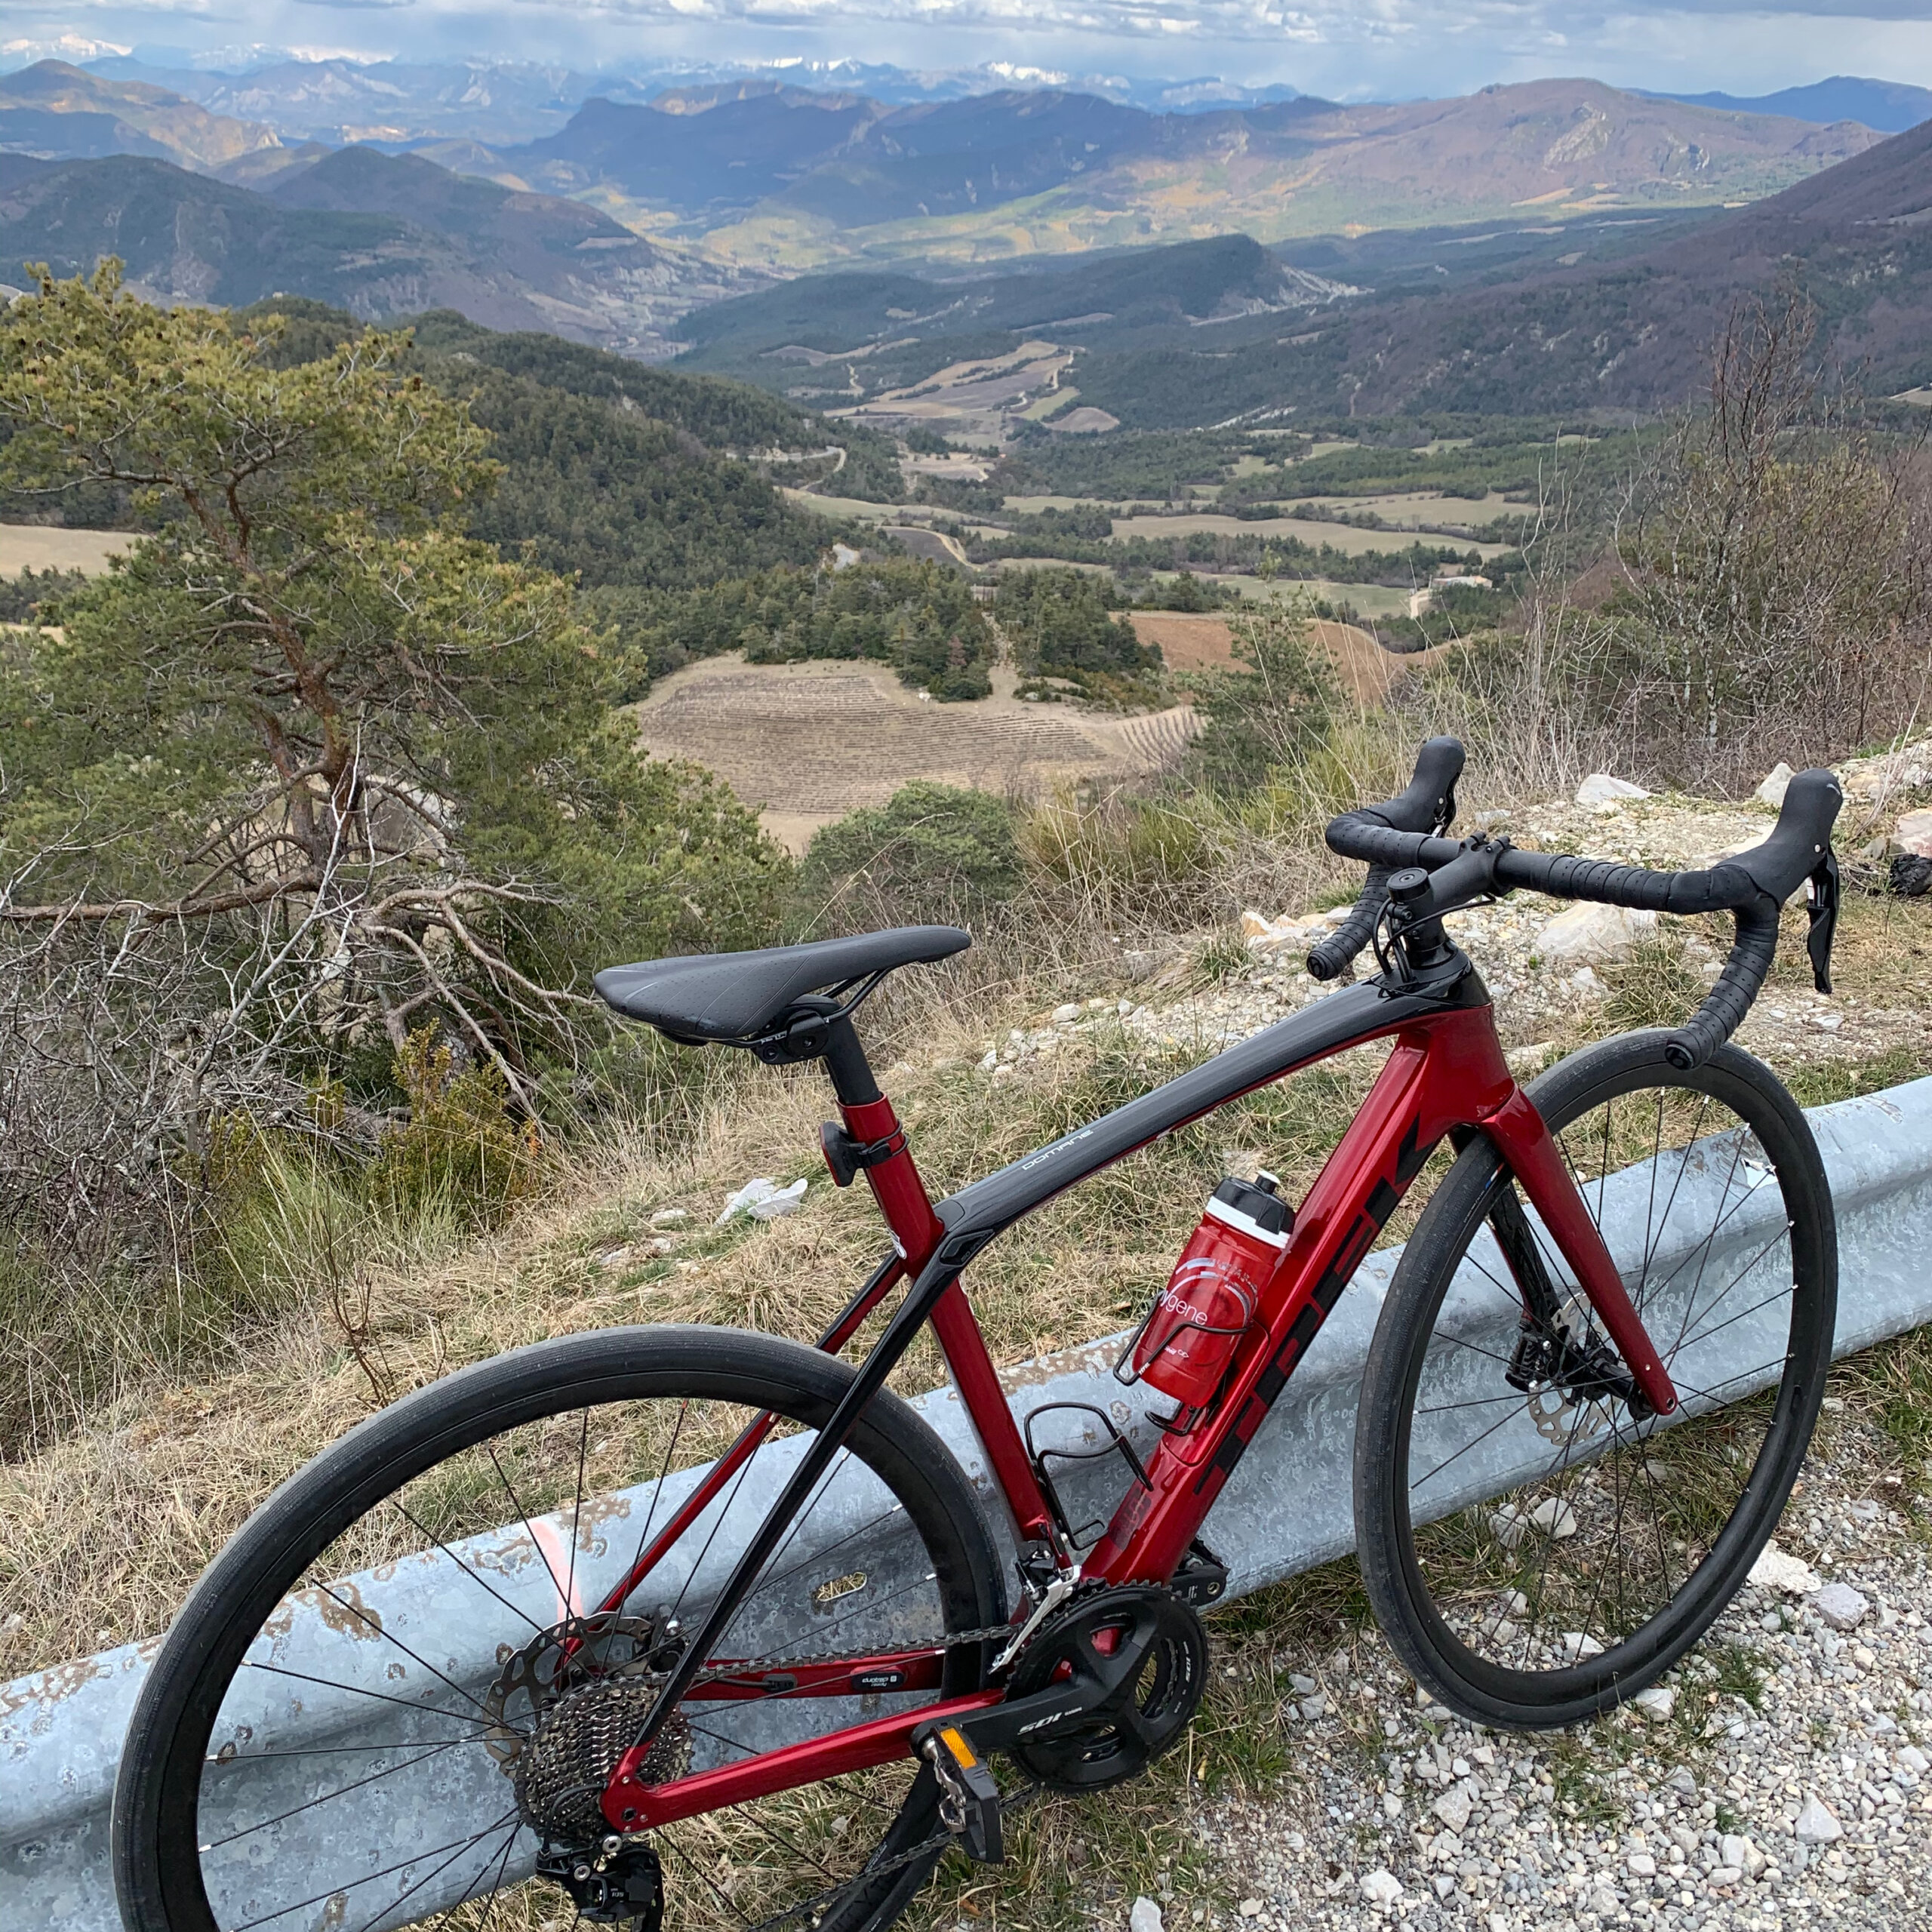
pixel 62 112
pixel 1891 106
pixel 377 234
pixel 1633 334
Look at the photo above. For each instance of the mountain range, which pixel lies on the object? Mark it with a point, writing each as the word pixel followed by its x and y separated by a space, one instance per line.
pixel 59 111
pixel 1891 106
pixel 1593 316
pixel 786 178
pixel 777 179
pixel 379 234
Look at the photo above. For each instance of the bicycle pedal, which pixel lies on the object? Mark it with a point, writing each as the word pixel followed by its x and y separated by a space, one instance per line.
pixel 969 1804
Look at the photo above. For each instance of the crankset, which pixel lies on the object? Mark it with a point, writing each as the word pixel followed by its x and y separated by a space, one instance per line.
pixel 1135 1657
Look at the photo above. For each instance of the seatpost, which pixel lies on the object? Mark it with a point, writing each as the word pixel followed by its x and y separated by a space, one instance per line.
pixel 872 1140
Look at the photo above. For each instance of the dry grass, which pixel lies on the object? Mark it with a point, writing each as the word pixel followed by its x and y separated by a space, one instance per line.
pixel 124 1512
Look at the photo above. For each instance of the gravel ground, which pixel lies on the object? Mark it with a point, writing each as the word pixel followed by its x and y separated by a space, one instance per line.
pixel 1780 1780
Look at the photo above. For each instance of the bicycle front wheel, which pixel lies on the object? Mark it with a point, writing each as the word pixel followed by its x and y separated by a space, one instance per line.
pixel 1536 1547
pixel 407 1680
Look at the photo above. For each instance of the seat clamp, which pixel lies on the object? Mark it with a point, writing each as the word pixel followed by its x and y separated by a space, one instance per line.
pixel 846 1155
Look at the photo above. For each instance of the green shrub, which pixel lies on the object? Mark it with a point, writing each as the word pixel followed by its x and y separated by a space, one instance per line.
pixel 932 851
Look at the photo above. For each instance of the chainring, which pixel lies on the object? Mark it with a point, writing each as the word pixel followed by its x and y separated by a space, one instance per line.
pixel 1143 1651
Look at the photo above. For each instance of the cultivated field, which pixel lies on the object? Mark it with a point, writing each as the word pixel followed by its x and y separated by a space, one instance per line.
pixel 1342 537
pixel 864 734
pixel 1203 641
pixel 35 547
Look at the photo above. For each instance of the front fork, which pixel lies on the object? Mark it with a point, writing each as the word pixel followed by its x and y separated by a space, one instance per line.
pixel 1546 1352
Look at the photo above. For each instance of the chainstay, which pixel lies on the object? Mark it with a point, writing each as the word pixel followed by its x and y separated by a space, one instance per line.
pixel 777 1660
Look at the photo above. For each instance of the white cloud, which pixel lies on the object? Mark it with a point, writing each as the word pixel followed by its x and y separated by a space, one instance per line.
pixel 1348 48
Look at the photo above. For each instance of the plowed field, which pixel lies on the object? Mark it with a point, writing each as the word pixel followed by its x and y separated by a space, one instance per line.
pixel 808 742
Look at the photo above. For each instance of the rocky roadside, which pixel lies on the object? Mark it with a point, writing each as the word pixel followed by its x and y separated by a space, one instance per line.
pixel 1551 968
pixel 1782 1778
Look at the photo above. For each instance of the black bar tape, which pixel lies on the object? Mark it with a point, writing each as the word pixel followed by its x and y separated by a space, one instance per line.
pixel 1723 889
pixel 1327 961
pixel 1729 1000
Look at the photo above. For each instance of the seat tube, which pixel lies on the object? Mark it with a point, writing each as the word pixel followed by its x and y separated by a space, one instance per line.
pixel 869 1119
pixel 917 1232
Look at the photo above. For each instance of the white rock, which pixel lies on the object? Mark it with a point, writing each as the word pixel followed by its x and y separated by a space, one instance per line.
pixel 1584 931
pixel 1816 1825
pixel 1603 1902
pixel 1600 789
pixel 1146 1916
pixel 1776 1570
pixel 1657 1703
pixel 1642 1865
pixel 1731 1851
pixel 1726 1875
pixel 669 1217
pixel 1914 1759
pixel 1510 1525
pixel 1841 1606
pixel 1771 792
pixel 1914 833
pixel 1392 1805
pixel 1378 1887
pixel 764 1200
pixel 1065 1016
pixel 1556 1518
pixel 1251 1908
pixel 1453 1807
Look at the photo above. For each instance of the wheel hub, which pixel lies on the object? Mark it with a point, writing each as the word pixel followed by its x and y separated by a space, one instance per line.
pixel 1143 1653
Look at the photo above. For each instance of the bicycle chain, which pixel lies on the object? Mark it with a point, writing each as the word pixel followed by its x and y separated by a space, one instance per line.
pixel 938 1842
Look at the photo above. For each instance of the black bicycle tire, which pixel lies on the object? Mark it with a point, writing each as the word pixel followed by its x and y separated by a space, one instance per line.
pixel 157 1790
pixel 1490 1694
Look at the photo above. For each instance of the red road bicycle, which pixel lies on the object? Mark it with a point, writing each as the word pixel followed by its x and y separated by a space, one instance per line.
pixel 690 1623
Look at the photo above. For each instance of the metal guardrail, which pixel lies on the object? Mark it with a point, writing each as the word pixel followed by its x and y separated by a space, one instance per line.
pixel 1287 1508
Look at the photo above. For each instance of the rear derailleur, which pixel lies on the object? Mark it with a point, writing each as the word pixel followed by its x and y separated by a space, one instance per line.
pixel 619 1883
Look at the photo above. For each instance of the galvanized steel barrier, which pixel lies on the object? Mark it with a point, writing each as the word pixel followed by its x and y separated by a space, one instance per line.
pixel 1287 1508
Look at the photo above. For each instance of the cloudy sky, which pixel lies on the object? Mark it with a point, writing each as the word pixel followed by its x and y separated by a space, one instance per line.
pixel 1351 49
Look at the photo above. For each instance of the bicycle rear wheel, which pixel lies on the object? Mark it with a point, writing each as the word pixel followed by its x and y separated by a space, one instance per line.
pixel 1537 1550
pixel 395 1691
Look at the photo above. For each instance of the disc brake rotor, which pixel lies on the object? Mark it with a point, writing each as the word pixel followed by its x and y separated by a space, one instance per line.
pixel 1144 1652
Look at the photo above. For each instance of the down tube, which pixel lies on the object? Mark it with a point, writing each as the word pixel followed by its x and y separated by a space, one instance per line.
pixel 1445 1072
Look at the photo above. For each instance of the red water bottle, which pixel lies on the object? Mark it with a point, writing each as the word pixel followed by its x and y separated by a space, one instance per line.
pixel 1191 1333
